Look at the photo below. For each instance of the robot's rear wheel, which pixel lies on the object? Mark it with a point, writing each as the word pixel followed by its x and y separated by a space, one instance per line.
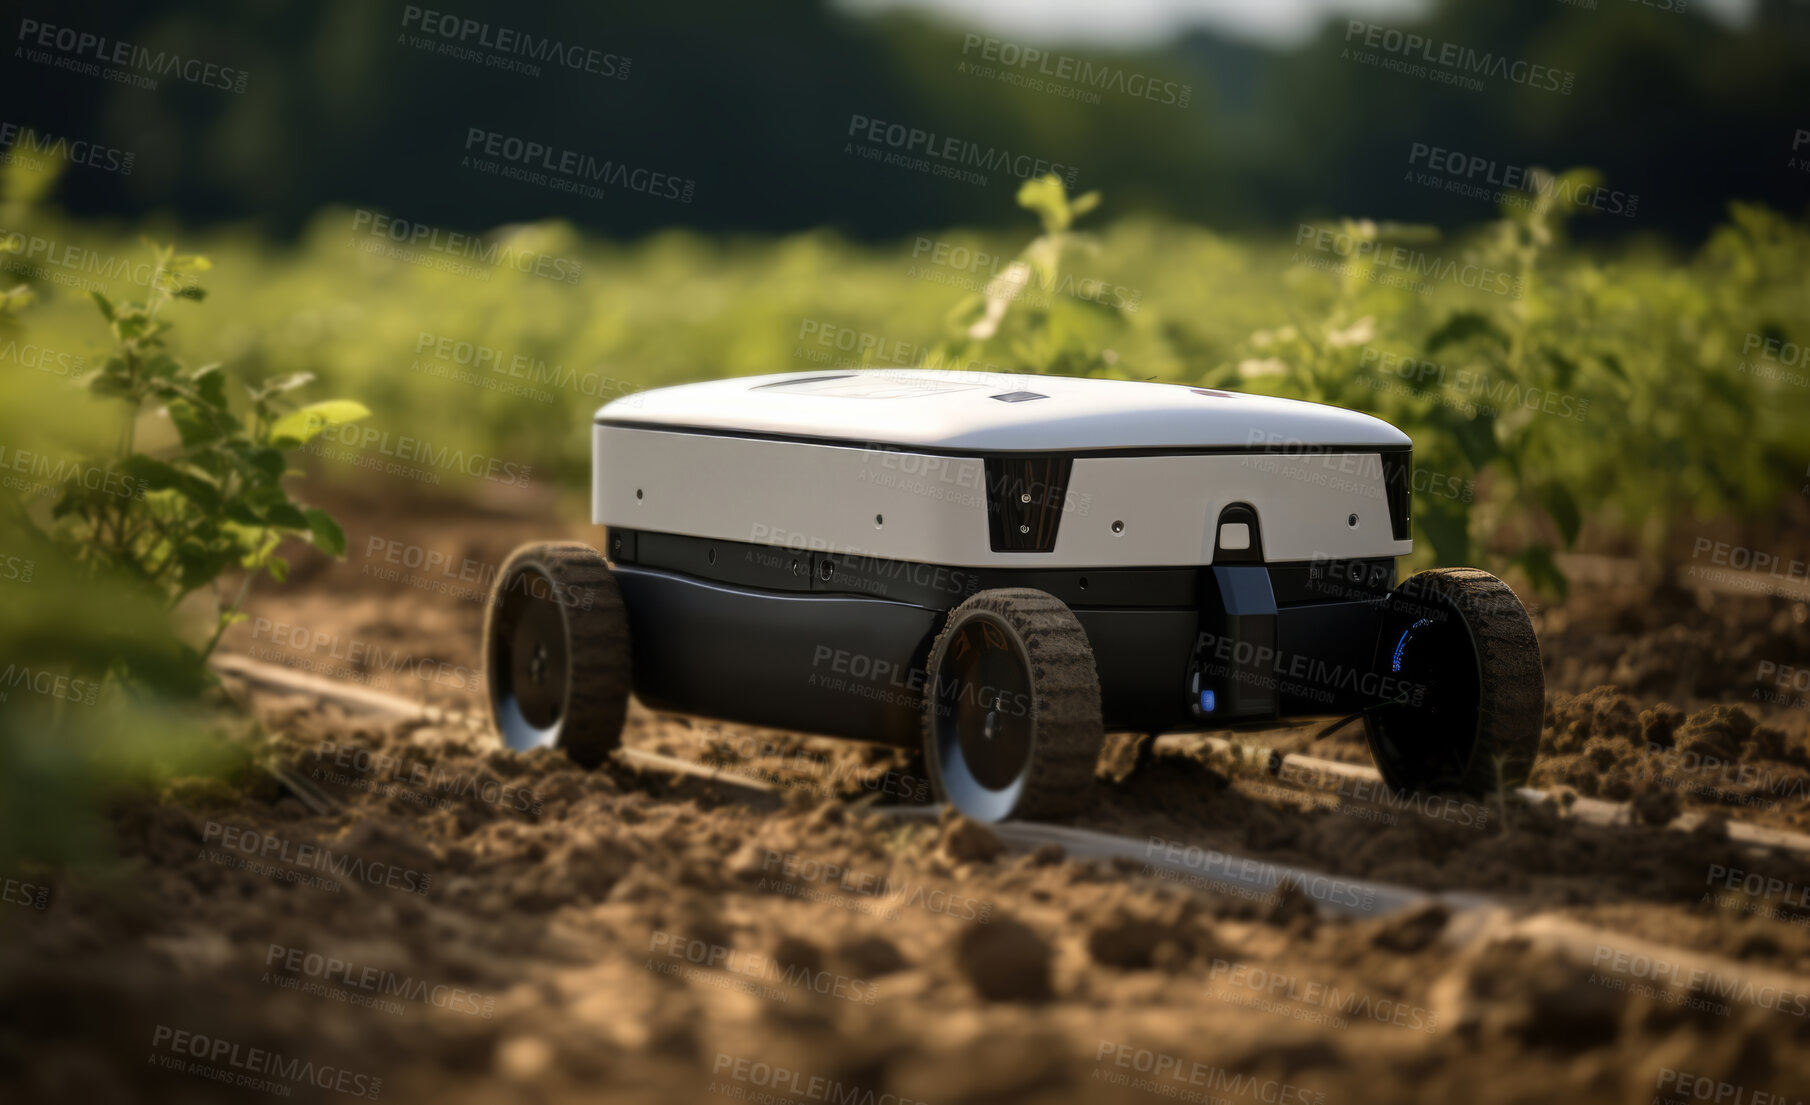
pixel 1466 685
pixel 556 652
pixel 1012 725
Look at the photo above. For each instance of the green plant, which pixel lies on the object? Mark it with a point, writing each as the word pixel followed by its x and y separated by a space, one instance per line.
pixel 1032 317
pixel 173 520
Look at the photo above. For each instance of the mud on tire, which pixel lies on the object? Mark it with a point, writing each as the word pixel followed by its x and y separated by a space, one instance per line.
pixel 556 652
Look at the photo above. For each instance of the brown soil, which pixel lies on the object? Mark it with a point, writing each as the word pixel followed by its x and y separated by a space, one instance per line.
pixel 506 927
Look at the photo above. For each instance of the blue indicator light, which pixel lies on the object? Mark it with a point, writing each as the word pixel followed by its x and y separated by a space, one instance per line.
pixel 1207 702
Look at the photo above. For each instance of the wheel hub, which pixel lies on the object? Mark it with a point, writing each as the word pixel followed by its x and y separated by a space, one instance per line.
pixel 531 663
pixel 983 718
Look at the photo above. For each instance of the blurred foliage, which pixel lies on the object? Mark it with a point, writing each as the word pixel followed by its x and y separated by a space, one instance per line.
pixel 347 102
pixel 101 541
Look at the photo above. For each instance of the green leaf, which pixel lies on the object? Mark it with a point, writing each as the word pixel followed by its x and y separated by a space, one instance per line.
pixel 304 424
pixel 105 304
pixel 1564 368
pixel 131 325
pixel 109 386
pixel 1462 327
pixel 328 537
pixel 286 515
pixel 195 425
pixel 154 474
pixel 267 460
pixel 210 384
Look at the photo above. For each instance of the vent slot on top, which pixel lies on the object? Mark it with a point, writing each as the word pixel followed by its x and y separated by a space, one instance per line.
pixel 1024 501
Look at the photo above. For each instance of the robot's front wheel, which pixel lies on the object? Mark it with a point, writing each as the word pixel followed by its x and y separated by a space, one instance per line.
pixel 556 652
pixel 1465 683
pixel 1012 725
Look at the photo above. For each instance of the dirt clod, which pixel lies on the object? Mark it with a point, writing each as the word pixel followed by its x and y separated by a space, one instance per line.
pixel 965 840
pixel 1005 960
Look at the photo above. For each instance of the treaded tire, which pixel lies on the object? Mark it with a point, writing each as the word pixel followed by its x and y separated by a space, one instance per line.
pixel 1463 638
pixel 1034 752
pixel 560 600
